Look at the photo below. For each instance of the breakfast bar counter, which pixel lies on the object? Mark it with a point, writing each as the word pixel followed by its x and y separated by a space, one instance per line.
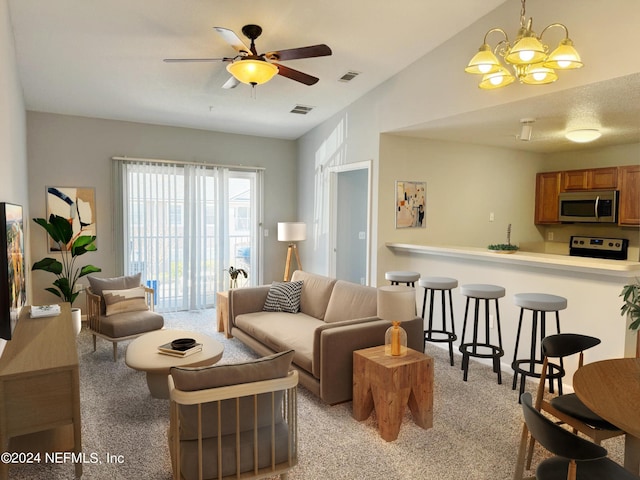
pixel 599 266
pixel 591 286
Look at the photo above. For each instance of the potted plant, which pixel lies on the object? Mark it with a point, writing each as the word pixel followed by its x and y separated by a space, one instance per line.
pixel 504 247
pixel 631 307
pixel 233 275
pixel 71 247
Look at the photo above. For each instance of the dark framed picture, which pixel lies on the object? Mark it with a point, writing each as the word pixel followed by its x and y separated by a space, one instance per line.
pixel 13 289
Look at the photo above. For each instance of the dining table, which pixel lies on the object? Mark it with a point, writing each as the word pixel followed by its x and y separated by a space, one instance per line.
pixel 611 388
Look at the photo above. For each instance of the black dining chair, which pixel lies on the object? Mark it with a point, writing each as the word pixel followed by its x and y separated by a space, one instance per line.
pixel 566 408
pixel 575 458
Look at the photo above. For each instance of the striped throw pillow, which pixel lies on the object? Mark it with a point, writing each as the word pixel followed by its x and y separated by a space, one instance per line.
pixel 283 297
pixel 128 300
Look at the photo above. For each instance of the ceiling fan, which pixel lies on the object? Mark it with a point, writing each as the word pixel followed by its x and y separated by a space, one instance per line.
pixel 253 69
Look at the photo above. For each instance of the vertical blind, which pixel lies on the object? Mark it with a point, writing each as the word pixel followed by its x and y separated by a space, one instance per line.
pixel 175 229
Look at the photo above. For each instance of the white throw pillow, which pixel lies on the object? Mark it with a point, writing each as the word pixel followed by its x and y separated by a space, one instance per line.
pixel 128 300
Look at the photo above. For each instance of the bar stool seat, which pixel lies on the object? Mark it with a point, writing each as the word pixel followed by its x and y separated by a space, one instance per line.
pixel 538 304
pixel 431 334
pixel 477 348
pixel 402 276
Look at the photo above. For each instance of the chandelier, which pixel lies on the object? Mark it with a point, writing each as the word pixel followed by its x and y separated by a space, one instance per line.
pixel 528 57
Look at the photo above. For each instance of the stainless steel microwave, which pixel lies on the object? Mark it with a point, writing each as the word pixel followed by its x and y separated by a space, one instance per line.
pixel 597 206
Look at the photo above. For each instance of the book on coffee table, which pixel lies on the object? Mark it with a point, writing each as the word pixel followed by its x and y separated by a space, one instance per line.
pixel 167 349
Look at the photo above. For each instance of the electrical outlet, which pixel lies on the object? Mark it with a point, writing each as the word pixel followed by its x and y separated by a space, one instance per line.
pixel 550 236
pixel 266 232
pixel 492 216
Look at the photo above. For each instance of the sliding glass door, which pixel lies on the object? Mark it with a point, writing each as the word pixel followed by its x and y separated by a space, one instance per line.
pixel 184 225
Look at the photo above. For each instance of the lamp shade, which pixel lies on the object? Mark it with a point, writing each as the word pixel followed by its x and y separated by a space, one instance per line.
pixel 292 231
pixel 252 72
pixel 565 56
pixel 396 303
pixel 483 62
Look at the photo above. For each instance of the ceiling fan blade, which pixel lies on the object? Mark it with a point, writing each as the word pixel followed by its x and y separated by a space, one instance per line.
pixel 296 75
pixel 233 82
pixel 232 39
pixel 321 50
pixel 177 60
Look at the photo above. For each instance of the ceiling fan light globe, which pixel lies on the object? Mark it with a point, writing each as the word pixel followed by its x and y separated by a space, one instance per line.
pixel 252 72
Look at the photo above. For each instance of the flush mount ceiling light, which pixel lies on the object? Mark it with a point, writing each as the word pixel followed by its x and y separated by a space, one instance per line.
pixel 529 58
pixel 583 135
pixel 252 72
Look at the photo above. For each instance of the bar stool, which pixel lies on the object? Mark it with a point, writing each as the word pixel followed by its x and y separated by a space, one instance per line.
pixel 402 276
pixel 538 303
pixel 488 350
pixel 443 284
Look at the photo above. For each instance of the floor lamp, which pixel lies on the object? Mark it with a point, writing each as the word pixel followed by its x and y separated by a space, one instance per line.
pixel 291 232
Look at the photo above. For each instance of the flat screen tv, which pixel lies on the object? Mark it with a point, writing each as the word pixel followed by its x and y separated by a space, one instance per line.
pixel 13 290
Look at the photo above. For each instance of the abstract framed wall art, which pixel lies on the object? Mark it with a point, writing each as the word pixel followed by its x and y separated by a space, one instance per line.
pixel 13 288
pixel 78 205
pixel 410 204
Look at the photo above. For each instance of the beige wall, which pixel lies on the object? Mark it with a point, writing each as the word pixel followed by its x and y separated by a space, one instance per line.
pixel 465 183
pixel 13 156
pixel 76 151
pixel 13 131
pixel 435 87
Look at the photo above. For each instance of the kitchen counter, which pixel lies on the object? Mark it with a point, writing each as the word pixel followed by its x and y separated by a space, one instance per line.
pixel 617 268
pixel 591 286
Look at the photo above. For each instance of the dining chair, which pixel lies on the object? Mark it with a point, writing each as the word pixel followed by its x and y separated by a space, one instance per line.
pixel 575 458
pixel 568 408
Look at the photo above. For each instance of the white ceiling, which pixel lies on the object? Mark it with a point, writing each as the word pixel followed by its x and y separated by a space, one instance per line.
pixel 104 58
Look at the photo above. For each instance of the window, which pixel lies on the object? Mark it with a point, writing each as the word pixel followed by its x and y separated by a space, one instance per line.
pixel 184 225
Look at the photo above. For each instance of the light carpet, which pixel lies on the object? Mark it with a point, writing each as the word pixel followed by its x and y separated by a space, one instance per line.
pixel 475 434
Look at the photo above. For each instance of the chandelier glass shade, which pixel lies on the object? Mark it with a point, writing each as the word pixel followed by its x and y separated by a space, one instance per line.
pixel 251 71
pixel 529 58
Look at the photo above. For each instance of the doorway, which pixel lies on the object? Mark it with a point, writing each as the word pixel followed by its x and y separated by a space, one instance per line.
pixel 350 196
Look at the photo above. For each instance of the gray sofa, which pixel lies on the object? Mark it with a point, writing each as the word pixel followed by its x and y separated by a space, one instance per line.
pixel 335 318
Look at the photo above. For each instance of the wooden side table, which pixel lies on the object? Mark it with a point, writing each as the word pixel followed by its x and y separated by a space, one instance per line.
pixel 389 384
pixel 222 312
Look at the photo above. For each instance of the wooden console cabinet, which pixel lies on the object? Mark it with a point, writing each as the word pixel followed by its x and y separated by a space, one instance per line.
pixel 40 389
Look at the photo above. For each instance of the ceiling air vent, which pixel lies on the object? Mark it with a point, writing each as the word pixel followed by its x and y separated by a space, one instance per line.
pixel 301 109
pixel 347 77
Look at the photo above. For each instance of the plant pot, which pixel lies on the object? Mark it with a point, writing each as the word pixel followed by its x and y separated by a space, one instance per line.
pixel 76 320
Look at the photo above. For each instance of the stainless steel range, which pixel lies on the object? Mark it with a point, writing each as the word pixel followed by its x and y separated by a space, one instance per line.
pixel 598 247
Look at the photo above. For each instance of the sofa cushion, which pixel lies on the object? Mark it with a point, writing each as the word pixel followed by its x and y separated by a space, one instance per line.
pixel 126 300
pixel 350 301
pixel 98 284
pixel 283 331
pixel 200 378
pixel 283 297
pixel 130 323
pixel 316 291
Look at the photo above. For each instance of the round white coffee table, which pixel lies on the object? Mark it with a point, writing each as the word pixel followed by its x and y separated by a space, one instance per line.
pixel 143 355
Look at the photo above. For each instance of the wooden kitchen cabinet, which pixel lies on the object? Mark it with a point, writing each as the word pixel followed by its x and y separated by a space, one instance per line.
pixel 629 199
pixel 547 191
pixel 590 179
